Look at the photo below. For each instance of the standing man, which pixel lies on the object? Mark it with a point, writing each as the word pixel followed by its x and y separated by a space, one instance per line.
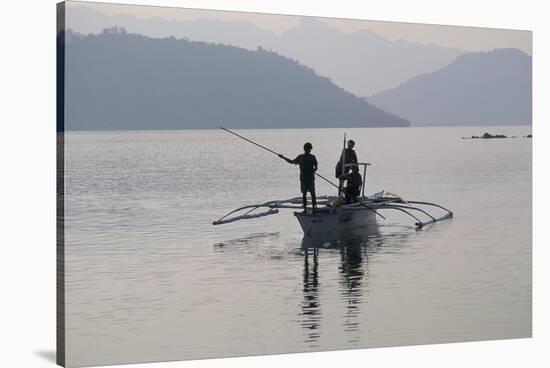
pixel 350 157
pixel 308 167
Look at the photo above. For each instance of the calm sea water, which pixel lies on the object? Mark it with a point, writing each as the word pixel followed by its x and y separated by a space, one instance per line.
pixel 149 278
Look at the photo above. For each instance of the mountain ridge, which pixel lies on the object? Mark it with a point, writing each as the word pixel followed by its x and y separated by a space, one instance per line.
pixel 493 87
pixel 363 62
pixel 118 80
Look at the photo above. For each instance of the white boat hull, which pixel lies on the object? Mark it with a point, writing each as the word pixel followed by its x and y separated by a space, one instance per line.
pixel 335 220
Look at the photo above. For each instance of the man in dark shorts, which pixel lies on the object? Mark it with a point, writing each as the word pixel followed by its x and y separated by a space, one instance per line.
pixel 308 166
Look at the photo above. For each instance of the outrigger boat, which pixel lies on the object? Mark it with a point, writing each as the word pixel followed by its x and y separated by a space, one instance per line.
pixel 332 215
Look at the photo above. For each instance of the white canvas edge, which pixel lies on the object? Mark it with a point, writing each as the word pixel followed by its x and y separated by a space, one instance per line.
pixel 28 181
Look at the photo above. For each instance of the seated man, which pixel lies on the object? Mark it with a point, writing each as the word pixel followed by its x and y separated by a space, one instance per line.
pixel 353 187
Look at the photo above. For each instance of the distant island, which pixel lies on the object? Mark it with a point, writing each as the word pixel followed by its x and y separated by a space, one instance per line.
pixel 490 136
pixel 121 81
pixel 486 88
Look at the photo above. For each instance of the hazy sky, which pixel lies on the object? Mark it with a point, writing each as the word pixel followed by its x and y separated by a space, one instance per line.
pixel 466 38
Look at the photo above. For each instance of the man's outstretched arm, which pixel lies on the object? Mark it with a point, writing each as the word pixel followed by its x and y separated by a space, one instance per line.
pixel 287 159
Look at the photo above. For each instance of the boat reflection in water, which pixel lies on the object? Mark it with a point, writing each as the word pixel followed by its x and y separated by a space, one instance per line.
pixel 352 246
pixel 311 309
pixel 333 276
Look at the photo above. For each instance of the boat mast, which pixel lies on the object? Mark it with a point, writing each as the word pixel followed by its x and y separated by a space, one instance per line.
pixel 364 180
pixel 343 164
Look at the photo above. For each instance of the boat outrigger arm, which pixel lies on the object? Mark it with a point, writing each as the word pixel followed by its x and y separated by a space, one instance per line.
pixel 377 202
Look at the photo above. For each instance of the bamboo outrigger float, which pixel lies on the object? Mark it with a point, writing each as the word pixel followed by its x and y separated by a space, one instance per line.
pixel 332 216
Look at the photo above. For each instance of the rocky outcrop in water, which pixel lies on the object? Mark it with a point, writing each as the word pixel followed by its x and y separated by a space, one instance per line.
pixel 491 136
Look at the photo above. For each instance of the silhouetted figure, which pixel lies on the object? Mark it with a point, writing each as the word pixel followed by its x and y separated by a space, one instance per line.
pixel 308 167
pixel 350 157
pixel 353 187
